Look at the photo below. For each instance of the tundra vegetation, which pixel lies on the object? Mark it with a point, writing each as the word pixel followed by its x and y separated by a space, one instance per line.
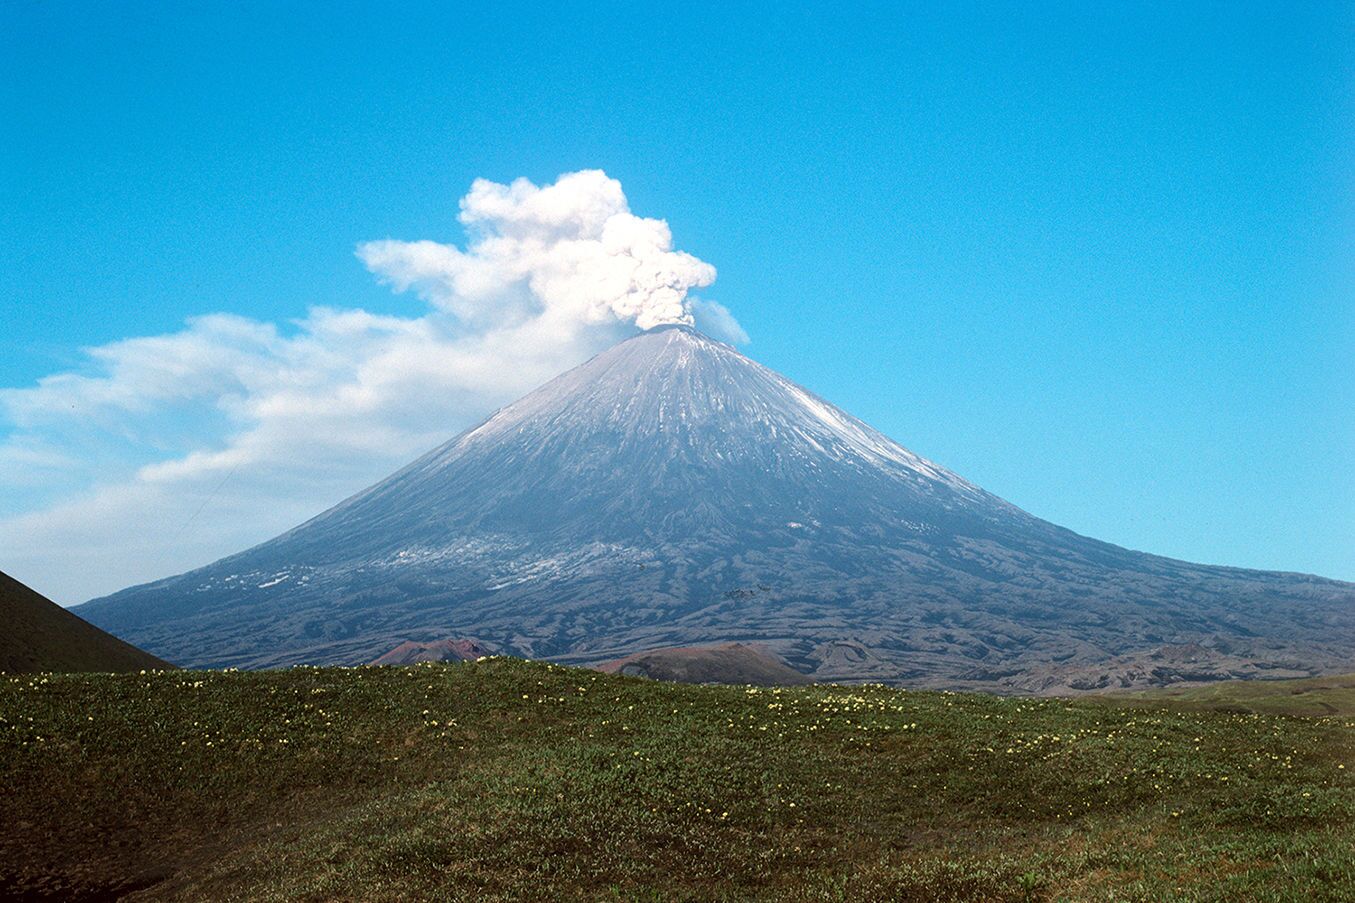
pixel 506 779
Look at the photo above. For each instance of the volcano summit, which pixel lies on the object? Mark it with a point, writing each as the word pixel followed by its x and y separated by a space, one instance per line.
pixel 672 492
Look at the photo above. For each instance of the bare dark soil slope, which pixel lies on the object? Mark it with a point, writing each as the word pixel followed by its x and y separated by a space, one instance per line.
pixel 36 634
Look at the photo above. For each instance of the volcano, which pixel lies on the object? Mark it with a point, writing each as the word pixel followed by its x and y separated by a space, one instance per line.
pixel 671 492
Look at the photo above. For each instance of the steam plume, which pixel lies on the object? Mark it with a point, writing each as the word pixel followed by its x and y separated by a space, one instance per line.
pixel 571 251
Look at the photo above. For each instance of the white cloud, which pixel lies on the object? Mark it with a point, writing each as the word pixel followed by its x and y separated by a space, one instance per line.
pixel 169 451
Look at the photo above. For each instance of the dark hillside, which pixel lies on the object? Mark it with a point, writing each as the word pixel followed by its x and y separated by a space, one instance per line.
pixel 39 635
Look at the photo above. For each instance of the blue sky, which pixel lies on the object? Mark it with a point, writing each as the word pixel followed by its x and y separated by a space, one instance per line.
pixel 1098 258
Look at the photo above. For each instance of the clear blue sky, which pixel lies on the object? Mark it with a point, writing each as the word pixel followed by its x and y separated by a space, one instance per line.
pixel 1098 258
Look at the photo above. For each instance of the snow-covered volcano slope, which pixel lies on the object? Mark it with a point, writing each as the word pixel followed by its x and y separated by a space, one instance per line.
pixel 670 491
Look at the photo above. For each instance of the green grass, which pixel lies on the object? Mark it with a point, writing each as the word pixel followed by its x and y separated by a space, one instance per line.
pixel 514 780
pixel 1315 697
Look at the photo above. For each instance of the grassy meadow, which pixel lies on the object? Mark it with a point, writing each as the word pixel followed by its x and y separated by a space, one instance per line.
pixel 507 780
pixel 1316 697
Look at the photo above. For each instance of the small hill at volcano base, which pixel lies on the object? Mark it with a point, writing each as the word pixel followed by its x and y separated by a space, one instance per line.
pixel 411 652
pixel 670 492
pixel 39 635
pixel 729 663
